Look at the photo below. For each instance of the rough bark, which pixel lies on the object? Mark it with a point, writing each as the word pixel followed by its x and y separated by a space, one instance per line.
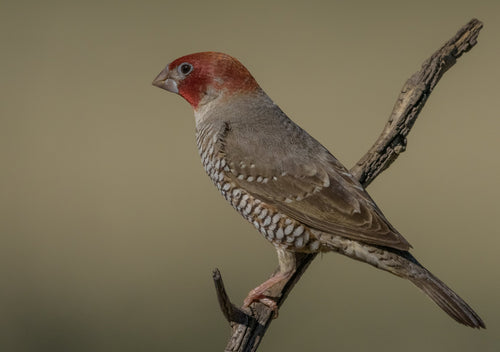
pixel 248 326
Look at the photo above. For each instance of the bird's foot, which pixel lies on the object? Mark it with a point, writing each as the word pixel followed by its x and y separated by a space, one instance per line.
pixel 258 293
pixel 268 301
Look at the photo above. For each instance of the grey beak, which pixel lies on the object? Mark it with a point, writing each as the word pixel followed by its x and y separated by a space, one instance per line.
pixel 162 81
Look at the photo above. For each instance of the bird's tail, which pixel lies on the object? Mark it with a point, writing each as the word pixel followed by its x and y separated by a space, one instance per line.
pixel 403 264
pixel 447 299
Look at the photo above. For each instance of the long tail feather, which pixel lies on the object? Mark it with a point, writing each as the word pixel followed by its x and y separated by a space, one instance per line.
pixel 403 264
pixel 447 300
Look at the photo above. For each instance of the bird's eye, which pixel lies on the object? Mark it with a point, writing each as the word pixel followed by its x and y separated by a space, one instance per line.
pixel 185 68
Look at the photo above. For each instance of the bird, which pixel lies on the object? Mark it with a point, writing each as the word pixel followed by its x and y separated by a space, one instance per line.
pixel 286 183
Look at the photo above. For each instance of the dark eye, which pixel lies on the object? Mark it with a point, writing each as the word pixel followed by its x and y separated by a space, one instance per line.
pixel 185 68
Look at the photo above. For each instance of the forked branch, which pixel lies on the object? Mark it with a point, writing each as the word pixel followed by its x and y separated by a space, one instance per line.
pixel 249 325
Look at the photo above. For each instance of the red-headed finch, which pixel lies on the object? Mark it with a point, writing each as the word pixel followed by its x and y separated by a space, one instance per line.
pixel 284 182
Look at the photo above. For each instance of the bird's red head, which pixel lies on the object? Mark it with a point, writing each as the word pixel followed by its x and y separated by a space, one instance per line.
pixel 203 76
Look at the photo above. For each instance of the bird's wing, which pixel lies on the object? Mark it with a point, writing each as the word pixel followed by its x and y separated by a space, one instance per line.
pixel 304 181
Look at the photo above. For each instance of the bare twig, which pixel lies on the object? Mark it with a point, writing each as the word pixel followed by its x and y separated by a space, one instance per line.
pixel 250 325
pixel 411 100
pixel 231 312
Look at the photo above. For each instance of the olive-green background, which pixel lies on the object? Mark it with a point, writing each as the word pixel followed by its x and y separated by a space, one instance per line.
pixel 110 228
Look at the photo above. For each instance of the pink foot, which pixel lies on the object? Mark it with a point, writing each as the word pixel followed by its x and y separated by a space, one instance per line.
pixel 258 293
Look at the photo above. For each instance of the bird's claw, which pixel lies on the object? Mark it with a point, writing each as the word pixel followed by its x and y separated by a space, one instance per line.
pixel 255 296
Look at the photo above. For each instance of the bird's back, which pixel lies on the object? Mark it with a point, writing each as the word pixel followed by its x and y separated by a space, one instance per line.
pixel 276 162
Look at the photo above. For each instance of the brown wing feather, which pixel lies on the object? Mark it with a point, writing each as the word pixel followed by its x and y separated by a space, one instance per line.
pixel 303 180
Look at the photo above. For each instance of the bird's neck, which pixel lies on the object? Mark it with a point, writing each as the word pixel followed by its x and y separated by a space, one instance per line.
pixel 233 107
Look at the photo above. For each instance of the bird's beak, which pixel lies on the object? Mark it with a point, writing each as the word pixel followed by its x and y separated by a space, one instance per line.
pixel 165 82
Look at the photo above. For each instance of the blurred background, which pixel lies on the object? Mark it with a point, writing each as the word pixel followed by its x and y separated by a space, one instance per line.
pixel 109 228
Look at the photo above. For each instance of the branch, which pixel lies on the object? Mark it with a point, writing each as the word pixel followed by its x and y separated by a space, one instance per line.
pixel 411 100
pixel 249 325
